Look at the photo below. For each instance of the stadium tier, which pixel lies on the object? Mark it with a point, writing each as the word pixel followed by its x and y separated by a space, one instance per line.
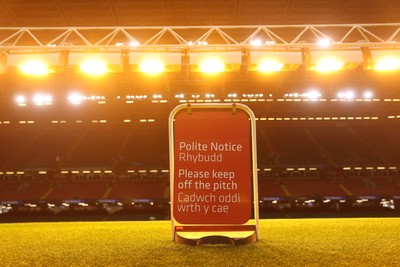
pixel 310 153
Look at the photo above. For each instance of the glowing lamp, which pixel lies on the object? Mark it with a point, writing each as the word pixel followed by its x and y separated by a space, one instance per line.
pixel 256 42
pixel 270 65
pixel 42 99
pixel 93 67
pixel 152 66
pixel 368 95
pixel 75 98
pixel 387 64
pixel 328 65
pixel 34 67
pixel 212 66
pixel 324 42
pixel 313 95
pixel 21 100
pixel 346 95
pixel 134 43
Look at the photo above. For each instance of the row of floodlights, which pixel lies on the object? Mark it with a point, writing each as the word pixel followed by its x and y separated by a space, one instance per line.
pixel 97 66
pixel 136 43
pixel 347 94
pixel 42 99
pixel 321 42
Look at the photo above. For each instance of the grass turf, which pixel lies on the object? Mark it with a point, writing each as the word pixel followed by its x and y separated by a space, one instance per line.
pixel 286 242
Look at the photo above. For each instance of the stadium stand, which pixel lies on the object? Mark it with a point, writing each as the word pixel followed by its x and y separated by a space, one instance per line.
pixel 109 149
pixel 112 165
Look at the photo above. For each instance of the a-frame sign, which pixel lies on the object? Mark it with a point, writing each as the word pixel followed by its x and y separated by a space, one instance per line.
pixel 213 174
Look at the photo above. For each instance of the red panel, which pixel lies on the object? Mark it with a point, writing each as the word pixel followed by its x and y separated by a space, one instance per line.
pixel 212 167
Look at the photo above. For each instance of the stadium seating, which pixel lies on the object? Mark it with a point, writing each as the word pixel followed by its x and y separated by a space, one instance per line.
pixel 111 156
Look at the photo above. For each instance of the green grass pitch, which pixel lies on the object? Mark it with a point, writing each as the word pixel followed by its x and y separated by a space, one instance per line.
pixel 284 242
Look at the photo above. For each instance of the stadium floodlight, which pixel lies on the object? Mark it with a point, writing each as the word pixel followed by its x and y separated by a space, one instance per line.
pixel 34 67
pixel 21 100
pixel 152 66
pixel 368 95
pixel 387 64
pixel 134 43
pixel 202 43
pixel 324 43
pixel 212 66
pixel 313 95
pixel 256 42
pixel 42 99
pixel 270 65
pixel 328 65
pixel 76 98
pixel 346 95
pixel 93 67
pixel 208 95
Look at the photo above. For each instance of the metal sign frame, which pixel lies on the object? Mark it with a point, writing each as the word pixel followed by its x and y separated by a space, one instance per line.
pixel 237 227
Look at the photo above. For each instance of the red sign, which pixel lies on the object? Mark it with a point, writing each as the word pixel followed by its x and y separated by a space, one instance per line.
pixel 212 166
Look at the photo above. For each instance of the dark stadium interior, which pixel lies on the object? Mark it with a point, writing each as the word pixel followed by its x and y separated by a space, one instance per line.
pixel 108 158
pixel 57 164
pixel 195 12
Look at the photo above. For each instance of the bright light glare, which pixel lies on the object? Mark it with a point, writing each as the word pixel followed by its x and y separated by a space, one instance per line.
pixel 256 42
pixel 93 67
pixel 212 66
pixel 324 43
pixel 368 95
pixel 21 100
pixel 346 95
pixel 270 65
pixel 34 67
pixel 76 98
pixel 134 43
pixel 387 64
pixel 313 95
pixel 41 99
pixel 152 66
pixel 329 65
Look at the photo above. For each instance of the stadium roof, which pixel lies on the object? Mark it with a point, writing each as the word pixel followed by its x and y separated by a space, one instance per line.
pixel 60 30
pixel 238 22
pixel 61 13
